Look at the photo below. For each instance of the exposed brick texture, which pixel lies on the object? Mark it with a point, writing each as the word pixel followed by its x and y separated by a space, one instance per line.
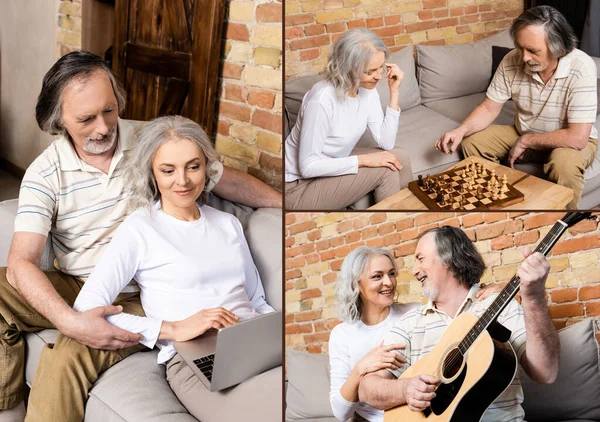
pixel 573 285
pixel 398 23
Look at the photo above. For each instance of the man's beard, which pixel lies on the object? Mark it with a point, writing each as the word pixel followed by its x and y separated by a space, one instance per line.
pixel 430 292
pixel 535 67
pixel 100 144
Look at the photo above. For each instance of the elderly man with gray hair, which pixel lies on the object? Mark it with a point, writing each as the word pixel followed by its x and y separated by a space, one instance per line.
pixel 554 87
pixel 76 191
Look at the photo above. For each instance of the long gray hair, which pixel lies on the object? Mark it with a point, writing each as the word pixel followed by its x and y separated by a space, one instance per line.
pixel 560 38
pixel 77 65
pixel 349 58
pixel 353 269
pixel 147 138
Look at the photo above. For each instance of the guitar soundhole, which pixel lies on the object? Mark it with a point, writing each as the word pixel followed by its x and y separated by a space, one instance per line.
pixel 452 363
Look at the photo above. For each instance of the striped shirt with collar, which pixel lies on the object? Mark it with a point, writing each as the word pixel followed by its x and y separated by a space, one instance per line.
pixel 421 329
pixel 568 97
pixel 78 204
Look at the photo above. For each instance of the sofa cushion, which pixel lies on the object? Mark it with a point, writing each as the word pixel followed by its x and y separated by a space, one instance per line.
pixel 458 109
pixel 307 394
pixel 410 95
pixel 457 70
pixel 574 395
pixel 263 233
pixel 418 130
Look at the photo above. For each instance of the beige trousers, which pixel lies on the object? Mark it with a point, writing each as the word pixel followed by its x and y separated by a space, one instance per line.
pixel 258 399
pixel 564 166
pixel 338 192
pixel 67 369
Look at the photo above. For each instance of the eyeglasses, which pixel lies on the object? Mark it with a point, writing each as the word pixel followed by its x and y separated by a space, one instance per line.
pixel 381 70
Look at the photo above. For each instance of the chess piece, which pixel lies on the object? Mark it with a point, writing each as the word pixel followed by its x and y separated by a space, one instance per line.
pixel 442 200
pixel 479 193
pixel 495 193
pixel 493 173
pixel 504 184
pixel 463 173
pixel 420 181
pixel 484 171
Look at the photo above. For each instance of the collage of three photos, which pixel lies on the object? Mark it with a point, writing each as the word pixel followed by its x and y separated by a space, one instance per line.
pixel 299 210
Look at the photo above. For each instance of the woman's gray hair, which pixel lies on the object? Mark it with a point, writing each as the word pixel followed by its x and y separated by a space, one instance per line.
pixel 560 38
pixel 349 58
pixel 148 137
pixel 77 65
pixel 353 269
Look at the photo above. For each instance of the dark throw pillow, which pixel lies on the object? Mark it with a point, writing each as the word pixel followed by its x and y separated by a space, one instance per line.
pixel 498 54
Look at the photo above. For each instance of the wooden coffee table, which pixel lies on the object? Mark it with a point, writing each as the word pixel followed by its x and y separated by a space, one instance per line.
pixel 539 193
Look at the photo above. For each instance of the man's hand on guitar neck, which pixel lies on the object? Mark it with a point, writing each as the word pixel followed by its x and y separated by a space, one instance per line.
pixel 542 352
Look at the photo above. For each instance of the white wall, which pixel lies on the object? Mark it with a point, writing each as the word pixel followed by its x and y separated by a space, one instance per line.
pixel 27 51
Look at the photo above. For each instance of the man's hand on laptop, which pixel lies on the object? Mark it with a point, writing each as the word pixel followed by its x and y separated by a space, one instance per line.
pixel 92 329
pixel 198 324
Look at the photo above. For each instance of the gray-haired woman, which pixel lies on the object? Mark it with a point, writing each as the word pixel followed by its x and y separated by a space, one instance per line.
pixel 322 168
pixel 366 290
pixel 191 262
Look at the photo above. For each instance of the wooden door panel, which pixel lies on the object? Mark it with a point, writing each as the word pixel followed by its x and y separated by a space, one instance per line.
pixel 167 56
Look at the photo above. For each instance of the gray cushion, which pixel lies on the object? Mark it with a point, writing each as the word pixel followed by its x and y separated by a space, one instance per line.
pixel 263 233
pixel 575 393
pixel 457 70
pixel 410 95
pixel 418 130
pixel 307 393
pixel 458 109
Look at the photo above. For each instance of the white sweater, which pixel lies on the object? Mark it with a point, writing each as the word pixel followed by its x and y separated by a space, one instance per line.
pixel 181 267
pixel 348 343
pixel 328 129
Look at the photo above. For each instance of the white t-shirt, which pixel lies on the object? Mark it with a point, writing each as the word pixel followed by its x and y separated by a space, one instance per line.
pixel 348 343
pixel 181 267
pixel 328 129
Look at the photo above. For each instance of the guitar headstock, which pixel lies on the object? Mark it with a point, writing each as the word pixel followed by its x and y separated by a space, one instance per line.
pixel 572 218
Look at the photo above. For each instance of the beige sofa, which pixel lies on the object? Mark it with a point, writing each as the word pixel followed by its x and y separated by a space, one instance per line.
pixel 574 397
pixel 136 388
pixel 437 93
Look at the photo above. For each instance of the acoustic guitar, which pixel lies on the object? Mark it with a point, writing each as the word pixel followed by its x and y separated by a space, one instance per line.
pixel 473 360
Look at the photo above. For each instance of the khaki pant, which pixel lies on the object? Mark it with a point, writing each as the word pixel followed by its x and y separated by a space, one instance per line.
pixel 338 192
pixel 67 369
pixel 258 399
pixel 564 166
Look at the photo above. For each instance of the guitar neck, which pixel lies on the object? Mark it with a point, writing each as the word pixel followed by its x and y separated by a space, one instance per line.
pixel 511 289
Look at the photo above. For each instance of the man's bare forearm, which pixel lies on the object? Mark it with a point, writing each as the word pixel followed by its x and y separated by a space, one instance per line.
pixel 541 357
pixel 237 186
pixel 31 283
pixel 561 138
pixel 381 392
pixel 480 118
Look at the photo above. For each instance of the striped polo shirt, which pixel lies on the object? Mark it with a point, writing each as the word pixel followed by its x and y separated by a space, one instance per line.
pixel 422 328
pixel 568 97
pixel 78 204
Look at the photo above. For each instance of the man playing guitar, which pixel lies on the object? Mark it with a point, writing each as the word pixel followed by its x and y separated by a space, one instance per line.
pixel 449 268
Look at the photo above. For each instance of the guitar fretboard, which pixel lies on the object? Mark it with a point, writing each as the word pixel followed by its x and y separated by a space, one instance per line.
pixel 509 292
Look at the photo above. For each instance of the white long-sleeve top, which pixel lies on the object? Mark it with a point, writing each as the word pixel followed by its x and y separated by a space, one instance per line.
pixel 328 129
pixel 349 343
pixel 181 267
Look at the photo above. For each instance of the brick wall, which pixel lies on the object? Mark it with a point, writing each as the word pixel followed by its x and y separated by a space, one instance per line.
pixel 316 244
pixel 68 33
pixel 250 119
pixel 311 26
pixel 250 102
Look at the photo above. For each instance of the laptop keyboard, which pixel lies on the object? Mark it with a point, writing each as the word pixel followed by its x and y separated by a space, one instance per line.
pixel 205 364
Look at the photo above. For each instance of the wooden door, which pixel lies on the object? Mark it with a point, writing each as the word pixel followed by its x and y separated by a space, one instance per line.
pixel 167 54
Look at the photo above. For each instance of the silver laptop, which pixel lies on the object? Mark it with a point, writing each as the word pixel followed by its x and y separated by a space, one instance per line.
pixel 234 354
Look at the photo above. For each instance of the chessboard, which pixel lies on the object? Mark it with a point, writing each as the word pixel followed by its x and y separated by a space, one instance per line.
pixel 472 187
